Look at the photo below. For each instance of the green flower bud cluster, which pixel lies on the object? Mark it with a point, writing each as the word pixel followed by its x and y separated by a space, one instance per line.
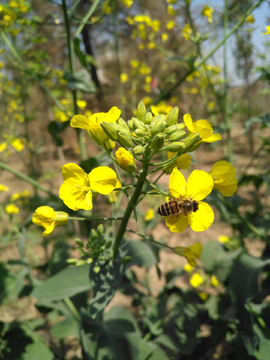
pixel 96 247
pixel 118 132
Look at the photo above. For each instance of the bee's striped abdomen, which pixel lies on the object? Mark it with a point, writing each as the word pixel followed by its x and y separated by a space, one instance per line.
pixel 168 208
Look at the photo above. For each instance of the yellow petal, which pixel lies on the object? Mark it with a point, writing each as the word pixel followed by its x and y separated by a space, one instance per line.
pixel 199 185
pixel 189 123
pixel 177 184
pixel 80 121
pixel 102 180
pixel 213 137
pixel 176 223
pixel 201 219
pixel 73 173
pixel 48 230
pixel 203 128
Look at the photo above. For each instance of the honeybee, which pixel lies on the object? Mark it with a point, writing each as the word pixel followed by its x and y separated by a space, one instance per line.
pixel 178 207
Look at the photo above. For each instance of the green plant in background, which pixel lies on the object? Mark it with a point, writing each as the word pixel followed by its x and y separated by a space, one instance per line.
pixel 223 311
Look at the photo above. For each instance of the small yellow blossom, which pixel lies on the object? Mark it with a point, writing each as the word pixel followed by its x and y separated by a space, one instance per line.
pixel 76 192
pixel 46 217
pixel 186 31
pixel 164 37
pixel 211 105
pixel 191 253
pixel 150 214
pixel 144 69
pixel 81 104
pixel 147 100
pixel 250 19
pixel 223 239
pixel 148 79
pixel 223 174
pixel 188 268
pixel 3 188
pixel 12 209
pixel 183 162
pixel 267 31
pixel 161 108
pixel 17 144
pixel 123 78
pixel 125 159
pixel 3 146
pixel 151 46
pixel 193 90
pixel 134 63
pixel 214 281
pixel 203 128
pixel 170 24
pixel 196 280
pixel 171 11
pixel 127 3
pixel 207 11
pixel 203 295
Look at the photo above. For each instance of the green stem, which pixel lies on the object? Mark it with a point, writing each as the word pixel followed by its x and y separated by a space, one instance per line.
pixel 71 306
pixel 147 190
pixel 167 94
pixel 86 18
pixel 26 178
pixel 116 42
pixel 72 71
pixel 133 201
pixel 94 218
pixel 150 239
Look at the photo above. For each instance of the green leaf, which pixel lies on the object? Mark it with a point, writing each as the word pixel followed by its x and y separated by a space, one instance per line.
pixel 80 82
pixel 140 252
pixel 216 260
pixel 37 351
pixel 66 283
pixel 264 350
pixel 66 328
pixel 104 284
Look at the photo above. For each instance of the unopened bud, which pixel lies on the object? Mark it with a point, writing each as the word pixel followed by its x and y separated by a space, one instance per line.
pixel 94 234
pixel 190 141
pixel 100 229
pixel 126 259
pixel 176 147
pixel 80 262
pixel 71 261
pixel 177 135
pixel 139 132
pixel 137 123
pixel 122 123
pixel 141 111
pixel 131 124
pixel 158 142
pixel 172 117
pixel 149 118
pixel 79 242
pixel 89 260
pixel 109 130
pixel 158 128
pixel 196 146
pixel 96 269
pixel 173 128
pixel 124 140
pixel 138 150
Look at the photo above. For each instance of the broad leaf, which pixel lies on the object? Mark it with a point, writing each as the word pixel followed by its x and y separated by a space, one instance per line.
pixel 140 252
pixel 37 351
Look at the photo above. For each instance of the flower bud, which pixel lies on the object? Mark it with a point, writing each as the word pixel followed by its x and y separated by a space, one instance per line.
pixel 149 118
pixel 96 269
pixel 173 128
pixel 80 263
pixel 79 242
pixel 131 124
pixel 122 123
pixel 190 141
pixel 126 259
pixel 158 128
pixel 138 150
pixel 177 135
pixel 176 147
pixel 125 160
pixel 109 130
pixel 158 142
pixel 108 245
pixel 100 229
pixel 141 111
pixel 124 140
pixel 137 123
pixel 172 117
pixel 196 146
pixel 93 234
pixel 71 261
pixel 139 132
pixel 156 119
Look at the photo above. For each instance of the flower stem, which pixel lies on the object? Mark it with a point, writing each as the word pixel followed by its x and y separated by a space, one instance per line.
pixel 150 239
pixel 133 201
pixel 27 178
pixel 94 218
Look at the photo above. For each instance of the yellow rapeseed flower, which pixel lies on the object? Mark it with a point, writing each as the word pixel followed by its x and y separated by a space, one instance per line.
pixel 46 217
pixel 191 253
pixel 76 192
pixel 203 295
pixel 171 11
pixel 267 31
pixel 223 239
pixel 188 268
pixel 250 19
pixel 113 196
pixel 3 188
pixel 183 162
pixel 161 108
pixel 123 78
pixel 134 63
pixel 186 31
pixel 223 174
pixel 164 37
pixel 3 146
pixel 81 104
pixel 12 209
pixel 17 144
pixel 170 24
pixel 214 281
pixel 92 124
pixel 207 11
pixel 203 128
pixel 198 186
pixel 125 159
pixel 127 3
pixel 150 214
pixel 196 280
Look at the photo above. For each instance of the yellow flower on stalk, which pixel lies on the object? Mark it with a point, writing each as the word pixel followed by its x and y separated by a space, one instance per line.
pixel 164 37
pixel 81 104
pixel 17 144
pixel 3 188
pixel 161 108
pixel 223 174
pixel 123 78
pixel 19 195
pixel 12 209
pixel 214 281
pixel 170 25
pixel 186 31
pixel 150 214
pixel 267 31
pixel 113 196
pixel 250 19
pixel 92 124
pixel 48 218
pixel 203 128
pixel 207 11
pixel 223 239
pixel 203 295
pixel 188 268
pixel 198 186
pixel 190 253
pixel 196 280
pixel 183 162
pixel 3 146
pixel 76 192
pixel 125 159
pixel 134 63
pixel 127 3
pixel 171 10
